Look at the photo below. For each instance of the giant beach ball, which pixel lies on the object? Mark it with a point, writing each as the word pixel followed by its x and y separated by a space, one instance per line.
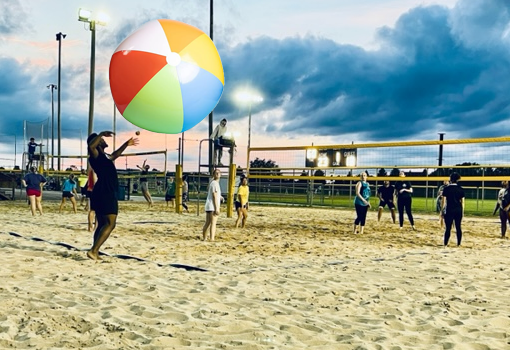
pixel 166 77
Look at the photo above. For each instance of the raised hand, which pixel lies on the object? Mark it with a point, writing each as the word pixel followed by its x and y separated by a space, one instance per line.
pixel 132 142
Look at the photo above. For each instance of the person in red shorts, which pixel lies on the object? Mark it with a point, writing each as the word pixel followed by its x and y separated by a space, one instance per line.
pixel 91 213
pixel 34 183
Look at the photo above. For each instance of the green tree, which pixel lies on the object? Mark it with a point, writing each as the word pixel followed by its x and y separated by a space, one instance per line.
pixel 264 167
pixel 469 171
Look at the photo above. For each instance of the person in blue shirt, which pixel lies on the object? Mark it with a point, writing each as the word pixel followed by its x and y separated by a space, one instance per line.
pixel 69 191
pixel 362 203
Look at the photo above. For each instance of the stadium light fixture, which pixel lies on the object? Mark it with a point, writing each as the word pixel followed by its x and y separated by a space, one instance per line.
pixel 59 37
pixel 101 19
pixel 84 15
pixel 350 161
pixel 311 154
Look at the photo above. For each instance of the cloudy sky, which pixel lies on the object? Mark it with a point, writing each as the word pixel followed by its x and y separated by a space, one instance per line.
pixel 330 71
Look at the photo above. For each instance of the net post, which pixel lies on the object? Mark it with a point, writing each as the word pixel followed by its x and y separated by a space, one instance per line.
pixel 178 188
pixel 231 188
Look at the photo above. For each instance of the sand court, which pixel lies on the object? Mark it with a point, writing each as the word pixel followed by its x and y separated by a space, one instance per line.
pixel 293 278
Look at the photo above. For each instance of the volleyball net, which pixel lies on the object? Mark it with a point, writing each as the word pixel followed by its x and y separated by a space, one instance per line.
pixel 298 174
pixel 489 155
pixel 126 162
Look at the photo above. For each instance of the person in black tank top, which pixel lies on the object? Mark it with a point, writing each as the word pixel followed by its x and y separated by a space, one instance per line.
pixel 453 206
pixel 404 192
pixel 104 195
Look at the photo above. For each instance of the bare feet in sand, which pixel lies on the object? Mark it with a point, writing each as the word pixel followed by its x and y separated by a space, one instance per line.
pixel 93 256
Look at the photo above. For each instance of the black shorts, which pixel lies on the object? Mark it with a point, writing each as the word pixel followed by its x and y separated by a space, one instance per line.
pixel 67 194
pixel 84 191
pixel 88 194
pixel 382 204
pixel 238 205
pixel 169 197
pixel 104 202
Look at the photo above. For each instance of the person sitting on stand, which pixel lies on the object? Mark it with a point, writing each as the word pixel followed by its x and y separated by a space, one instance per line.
pixel 217 137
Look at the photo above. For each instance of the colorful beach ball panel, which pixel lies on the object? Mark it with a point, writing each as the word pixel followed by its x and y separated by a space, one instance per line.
pixel 152 92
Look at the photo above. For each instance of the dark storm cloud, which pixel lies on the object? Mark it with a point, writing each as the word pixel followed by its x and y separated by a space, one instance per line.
pixel 24 95
pixel 437 69
pixel 18 98
pixel 425 76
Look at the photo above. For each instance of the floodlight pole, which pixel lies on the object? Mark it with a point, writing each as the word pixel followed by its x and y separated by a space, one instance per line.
pixel 249 138
pixel 81 150
pixel 211 150
pixel 92 75
pixel 52 87
pixel 441 138
pixel 440 160
pixel 182 149
pixel 84 16
pixel 14 151
pixel 60 36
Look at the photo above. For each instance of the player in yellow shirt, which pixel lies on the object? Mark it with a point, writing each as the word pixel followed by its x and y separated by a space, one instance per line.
pixel 82 185
pixel 242 202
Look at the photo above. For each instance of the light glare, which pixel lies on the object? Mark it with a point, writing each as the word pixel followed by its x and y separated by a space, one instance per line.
pixel 102 18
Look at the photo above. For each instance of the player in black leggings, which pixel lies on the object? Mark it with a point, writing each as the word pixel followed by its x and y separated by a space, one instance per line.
pixel 453 202
pixel 404 191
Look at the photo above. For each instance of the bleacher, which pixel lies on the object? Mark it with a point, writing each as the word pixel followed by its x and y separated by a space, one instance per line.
pixel 7 186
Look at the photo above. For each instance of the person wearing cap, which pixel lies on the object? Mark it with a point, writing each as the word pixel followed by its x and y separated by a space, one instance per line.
pixel 104 200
